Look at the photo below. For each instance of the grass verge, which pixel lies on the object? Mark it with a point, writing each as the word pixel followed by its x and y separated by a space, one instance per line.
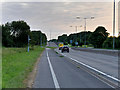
pixel 52 47
pixel 61 56
pixel 16 66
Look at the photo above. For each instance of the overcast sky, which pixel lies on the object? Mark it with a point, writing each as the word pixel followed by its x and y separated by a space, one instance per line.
pixel 57 17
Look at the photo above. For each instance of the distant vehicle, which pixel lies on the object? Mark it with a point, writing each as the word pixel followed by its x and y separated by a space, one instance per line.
pixel 65 48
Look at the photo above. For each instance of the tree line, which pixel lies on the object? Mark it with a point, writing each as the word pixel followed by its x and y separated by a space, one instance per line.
pixel 99 38
pixel 15 34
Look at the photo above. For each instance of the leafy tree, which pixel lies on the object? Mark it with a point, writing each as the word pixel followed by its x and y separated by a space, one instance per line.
pixel 15 34
pixel 20 31
pixel 62 38
pixel 7 39
pixel 108 43
pixel 98 37
pixel 44 39
pixel 37 38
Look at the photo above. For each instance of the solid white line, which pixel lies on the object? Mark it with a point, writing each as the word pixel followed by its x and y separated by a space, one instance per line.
pixel 52 72
pixel 93 69
pixel 96 70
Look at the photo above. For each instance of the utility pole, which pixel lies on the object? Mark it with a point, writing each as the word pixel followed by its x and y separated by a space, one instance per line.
pixel 114 26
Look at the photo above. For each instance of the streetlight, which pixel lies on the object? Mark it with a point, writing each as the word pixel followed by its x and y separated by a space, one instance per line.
pixel 114 26
pixel 76 27
pixel 85 25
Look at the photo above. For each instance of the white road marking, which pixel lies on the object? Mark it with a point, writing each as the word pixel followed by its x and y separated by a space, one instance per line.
pixel 53 73
pixel 107 75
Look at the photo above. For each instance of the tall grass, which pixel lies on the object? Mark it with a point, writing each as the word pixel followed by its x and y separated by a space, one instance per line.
pixel 16 65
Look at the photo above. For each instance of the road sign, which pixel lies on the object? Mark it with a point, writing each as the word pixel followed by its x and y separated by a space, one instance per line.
pixel 61 45
pixel 71 41
pixel 76 43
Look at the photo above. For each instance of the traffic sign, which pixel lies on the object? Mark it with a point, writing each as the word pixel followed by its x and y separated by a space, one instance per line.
pixel 61 45
pixel 71 41
pixel 76 43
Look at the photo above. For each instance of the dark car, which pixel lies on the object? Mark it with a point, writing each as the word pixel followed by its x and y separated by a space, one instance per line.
pixel 65 48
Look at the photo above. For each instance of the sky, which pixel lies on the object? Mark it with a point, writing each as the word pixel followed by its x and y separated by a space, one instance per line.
pixel 57 17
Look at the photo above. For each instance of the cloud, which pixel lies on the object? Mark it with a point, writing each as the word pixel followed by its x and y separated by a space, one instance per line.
pixel 57 0
pixel 58 16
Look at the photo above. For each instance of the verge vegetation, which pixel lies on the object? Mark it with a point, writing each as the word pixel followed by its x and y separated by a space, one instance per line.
pixel 17 63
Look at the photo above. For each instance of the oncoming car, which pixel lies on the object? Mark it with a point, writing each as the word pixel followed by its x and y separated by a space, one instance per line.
pixel 65 48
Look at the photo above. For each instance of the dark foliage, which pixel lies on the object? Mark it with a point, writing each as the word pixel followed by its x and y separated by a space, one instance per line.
pixel 15 34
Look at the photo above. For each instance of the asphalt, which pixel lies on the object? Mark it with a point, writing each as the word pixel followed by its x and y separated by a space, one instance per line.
pixel 64 74
pixel 105 63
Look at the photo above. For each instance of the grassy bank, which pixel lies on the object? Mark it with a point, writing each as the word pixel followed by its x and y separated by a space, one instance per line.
pixel 52 47
pixel 16 65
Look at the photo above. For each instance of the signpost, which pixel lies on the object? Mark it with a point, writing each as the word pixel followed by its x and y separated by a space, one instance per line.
pixel 76 43
pixel 28 42
pixel 71 41
pixel 60 44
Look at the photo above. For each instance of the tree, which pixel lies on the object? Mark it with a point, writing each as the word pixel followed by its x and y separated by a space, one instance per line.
pixel 63 38
pixel 98 37
pixel 20 31
pixel 7 39
pixel 15 34
pixel 79 37
pixel 37 37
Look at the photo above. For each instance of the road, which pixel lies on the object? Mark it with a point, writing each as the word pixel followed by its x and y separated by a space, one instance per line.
pixel 105 63
pixel 56 71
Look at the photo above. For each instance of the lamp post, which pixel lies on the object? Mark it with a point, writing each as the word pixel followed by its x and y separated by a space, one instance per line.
pixel 114 26
pixel 76 28
pixel 78 17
